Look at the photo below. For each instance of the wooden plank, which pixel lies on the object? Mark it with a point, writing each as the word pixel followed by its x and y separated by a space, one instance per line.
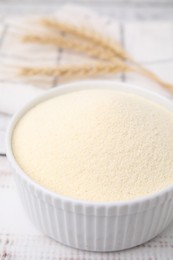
pixel 124 11
pixel 4 121
pixel 108 2
pixel 151 45
pixel 149 42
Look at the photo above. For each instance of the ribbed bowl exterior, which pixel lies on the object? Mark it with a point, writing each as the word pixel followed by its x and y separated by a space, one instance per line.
pixel 96 228
pixel 92 226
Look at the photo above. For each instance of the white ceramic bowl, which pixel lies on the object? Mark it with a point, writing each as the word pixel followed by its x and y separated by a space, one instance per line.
pixel 94 226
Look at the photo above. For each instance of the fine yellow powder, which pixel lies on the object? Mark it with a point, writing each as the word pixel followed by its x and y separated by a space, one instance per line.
pixel 97 145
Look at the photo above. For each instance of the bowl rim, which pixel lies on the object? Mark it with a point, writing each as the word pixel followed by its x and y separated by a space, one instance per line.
pixel 76 86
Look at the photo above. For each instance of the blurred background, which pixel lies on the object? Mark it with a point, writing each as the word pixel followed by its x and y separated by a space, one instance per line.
pixel 119 9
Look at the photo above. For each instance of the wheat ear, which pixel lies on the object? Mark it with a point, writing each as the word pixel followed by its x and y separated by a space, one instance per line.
pixel 68 43
pixel 90 35
pixel 110 53
pixel 86 70
pixel 81 71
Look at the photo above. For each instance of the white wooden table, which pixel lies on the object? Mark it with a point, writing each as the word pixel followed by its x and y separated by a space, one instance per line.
pixel 150 43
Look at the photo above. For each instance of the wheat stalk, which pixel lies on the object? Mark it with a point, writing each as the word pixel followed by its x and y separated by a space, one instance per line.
pixel 152 76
